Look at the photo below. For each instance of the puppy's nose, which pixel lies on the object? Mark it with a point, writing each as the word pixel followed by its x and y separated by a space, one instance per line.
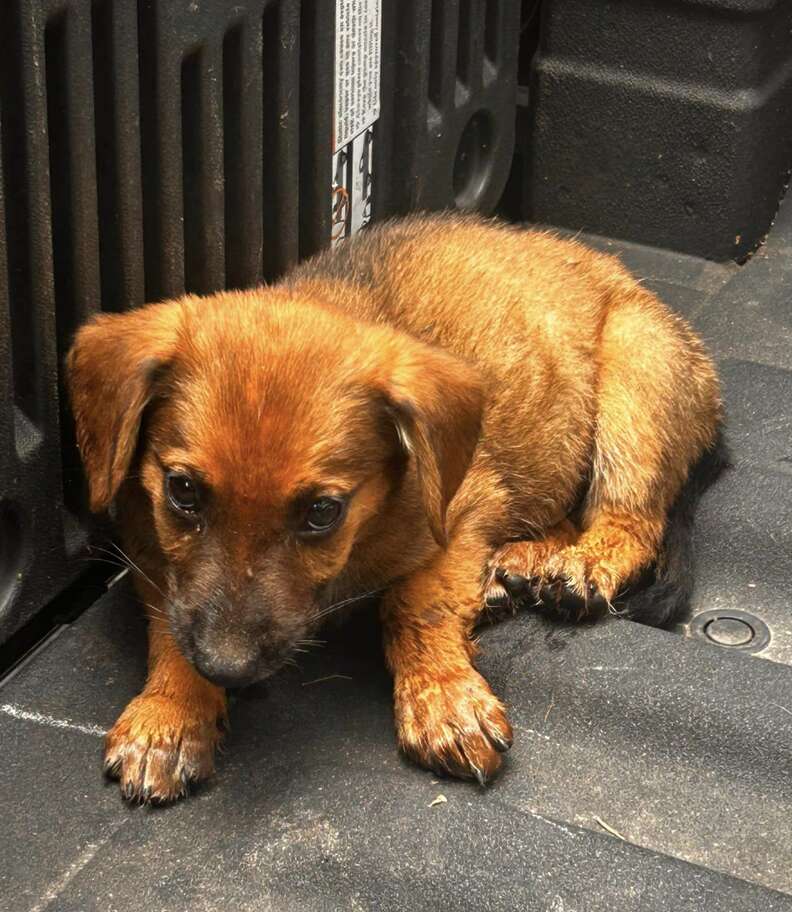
pixel 228 670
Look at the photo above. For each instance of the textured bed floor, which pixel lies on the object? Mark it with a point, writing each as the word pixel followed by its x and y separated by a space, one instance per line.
pixel 650 771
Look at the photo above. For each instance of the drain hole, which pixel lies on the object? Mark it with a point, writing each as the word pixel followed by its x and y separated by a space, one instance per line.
pixel 729 632
pixel 473 161
pixel 732 629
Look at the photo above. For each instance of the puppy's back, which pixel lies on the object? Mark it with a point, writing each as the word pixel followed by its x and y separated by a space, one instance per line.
pixel 489 292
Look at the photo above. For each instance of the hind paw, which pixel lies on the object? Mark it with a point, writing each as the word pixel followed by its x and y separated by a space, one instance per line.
pixel 537 574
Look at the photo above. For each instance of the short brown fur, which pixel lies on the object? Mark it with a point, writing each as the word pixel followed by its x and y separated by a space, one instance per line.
pixel 490 401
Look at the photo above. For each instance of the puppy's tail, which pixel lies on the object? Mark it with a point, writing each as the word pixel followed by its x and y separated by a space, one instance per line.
pixel 669 587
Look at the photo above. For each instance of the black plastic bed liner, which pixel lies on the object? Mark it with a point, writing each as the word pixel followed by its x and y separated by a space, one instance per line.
pixel 651 770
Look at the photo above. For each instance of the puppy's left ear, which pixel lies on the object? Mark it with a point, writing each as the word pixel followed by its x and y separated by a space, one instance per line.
pixel 436 402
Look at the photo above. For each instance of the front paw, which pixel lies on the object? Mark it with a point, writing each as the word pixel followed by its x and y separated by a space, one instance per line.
pixel 452 724
pixel 159 746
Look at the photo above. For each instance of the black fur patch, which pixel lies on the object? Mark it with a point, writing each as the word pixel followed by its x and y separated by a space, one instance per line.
pixel 665 592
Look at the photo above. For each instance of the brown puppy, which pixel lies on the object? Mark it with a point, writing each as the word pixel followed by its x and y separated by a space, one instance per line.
pixel 441 407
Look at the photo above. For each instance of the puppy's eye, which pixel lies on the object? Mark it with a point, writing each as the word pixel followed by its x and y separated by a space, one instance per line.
pixel 182 492
pixel 323 514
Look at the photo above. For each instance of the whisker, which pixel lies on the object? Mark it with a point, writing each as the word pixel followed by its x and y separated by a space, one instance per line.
pixel 122 559
pixel 119 557
pixel 113 559
pixel 157 610
pixel 323 612
pixel 105 560
pixel 135 567
pixel 111 554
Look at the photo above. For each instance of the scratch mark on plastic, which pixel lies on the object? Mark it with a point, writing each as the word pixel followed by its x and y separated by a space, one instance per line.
pixel 85 857
pixel 553 823
pixel 16 712
pixel 533 732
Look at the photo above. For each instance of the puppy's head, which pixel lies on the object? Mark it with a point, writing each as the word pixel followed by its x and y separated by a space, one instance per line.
pixel 271 441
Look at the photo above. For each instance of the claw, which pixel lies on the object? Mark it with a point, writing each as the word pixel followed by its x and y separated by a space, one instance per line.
pixel 516 585
pixel 501 744
pixel 497 597
pixel 479 774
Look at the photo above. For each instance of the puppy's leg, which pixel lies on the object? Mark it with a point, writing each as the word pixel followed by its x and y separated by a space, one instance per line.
pixel 658 409
pixel 166 737
pixel 447 718
pixel 616 545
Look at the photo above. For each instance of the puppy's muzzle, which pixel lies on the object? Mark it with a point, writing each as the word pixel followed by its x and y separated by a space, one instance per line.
pixel 229 658
pixel 236 669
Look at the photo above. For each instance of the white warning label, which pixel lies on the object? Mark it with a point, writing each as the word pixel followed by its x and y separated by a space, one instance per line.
pixel 357 68
pixel 357 106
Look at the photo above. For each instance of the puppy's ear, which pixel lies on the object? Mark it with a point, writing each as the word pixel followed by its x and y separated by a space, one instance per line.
pixel 436 402
pixel 111 372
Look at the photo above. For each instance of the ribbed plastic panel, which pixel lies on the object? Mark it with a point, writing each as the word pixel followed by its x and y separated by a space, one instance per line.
pixel 448 99
pixel 148 149
pixel 153 148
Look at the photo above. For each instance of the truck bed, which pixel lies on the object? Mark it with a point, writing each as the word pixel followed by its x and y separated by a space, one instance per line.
pixel 651 769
